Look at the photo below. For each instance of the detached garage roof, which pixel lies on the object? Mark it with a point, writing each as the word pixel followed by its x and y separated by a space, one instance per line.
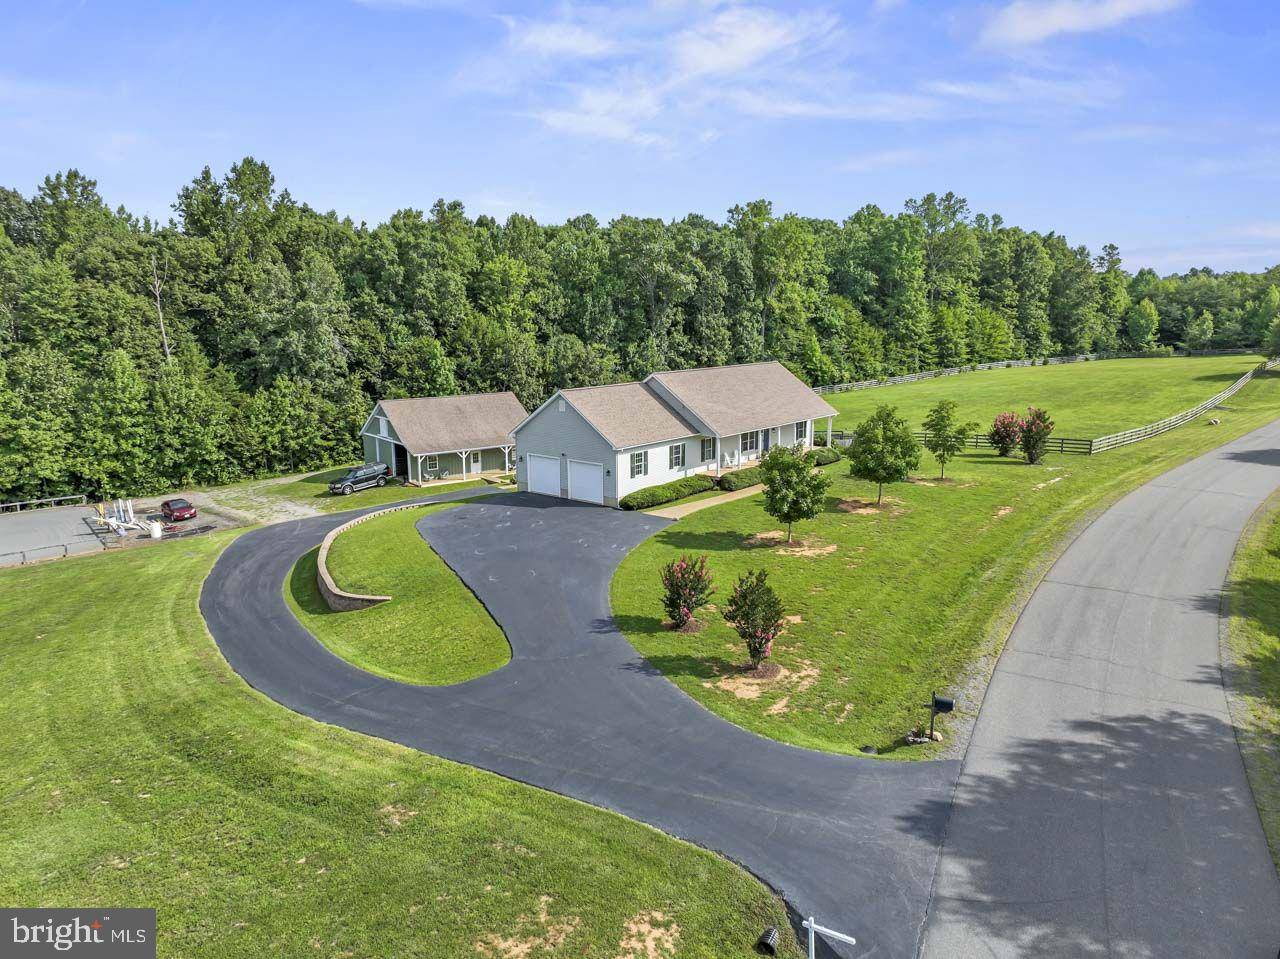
pixel 751 396
pixel 628 414
pixel 445 424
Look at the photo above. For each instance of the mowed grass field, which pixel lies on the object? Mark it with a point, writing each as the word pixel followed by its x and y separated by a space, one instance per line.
pixel 1251 661
pixel 1084 399
pixel 433 631
pixel 897 602
pixel 136 769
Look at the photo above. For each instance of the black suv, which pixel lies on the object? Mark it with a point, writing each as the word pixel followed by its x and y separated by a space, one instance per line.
pixel 361 477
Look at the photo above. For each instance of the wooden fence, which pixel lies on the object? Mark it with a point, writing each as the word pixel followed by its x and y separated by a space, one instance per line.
pixel 1066 444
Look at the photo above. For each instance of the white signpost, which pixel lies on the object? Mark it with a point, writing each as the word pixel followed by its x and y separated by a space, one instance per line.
pixel 815 930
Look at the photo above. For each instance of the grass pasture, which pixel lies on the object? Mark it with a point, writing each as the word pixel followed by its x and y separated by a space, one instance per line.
pixel 1084 399
pixel 432 632
pixel 900 601
pixel 144 772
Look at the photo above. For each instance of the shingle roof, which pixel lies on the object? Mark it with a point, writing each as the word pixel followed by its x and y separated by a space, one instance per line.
pixel 442 424
pixel 629 414
pixel 752 396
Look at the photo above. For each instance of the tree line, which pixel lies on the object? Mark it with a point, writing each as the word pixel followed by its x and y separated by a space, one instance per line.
pixel 249 334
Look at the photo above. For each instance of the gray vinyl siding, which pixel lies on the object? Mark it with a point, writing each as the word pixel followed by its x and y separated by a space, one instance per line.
pixel 450 464
pixel 565 436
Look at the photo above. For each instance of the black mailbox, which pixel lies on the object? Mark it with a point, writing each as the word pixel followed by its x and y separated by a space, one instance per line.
pixel 942 705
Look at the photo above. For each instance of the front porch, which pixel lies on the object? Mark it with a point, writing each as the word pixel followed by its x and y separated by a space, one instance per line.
pixel 456 465
pixel 741 450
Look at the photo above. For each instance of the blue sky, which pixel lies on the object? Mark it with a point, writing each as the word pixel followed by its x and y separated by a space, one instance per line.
pixel 1149 123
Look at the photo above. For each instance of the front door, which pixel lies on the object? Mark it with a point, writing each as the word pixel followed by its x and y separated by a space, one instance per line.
pixel 475 461
pixel 768 439
pixel 401 466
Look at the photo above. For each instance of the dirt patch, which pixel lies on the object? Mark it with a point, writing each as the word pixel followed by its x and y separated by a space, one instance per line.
pixel 867 507
pixel 844 714
pixel 1002 511
pixel 747 683
pixel 545 936
pixel 776 539
pixel 792 620
pixel 778 708
pixel 1056 479
pixel 650 935
pixel 397 816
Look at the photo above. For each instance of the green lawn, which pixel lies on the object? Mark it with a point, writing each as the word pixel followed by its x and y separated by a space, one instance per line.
pixel 898 602
pixel 313 491
pixel 433 631
pixel 139 770
pixel 1252 662
pixel 1084 399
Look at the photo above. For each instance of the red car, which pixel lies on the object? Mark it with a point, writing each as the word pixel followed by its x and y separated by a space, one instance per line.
pixel 177 509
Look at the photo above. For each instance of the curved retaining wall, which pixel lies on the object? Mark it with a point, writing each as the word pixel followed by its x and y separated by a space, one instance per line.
pixel 339 600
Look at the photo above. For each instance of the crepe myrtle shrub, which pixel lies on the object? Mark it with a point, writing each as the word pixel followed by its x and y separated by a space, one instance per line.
pixel 1034 434
pixel 944 437
pixel 686 586
pixel 1005 433
pixel 793 489
pixel 755 611
pixel 883 450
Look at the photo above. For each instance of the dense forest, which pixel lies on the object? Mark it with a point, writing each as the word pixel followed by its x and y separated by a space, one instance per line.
pixel 249 334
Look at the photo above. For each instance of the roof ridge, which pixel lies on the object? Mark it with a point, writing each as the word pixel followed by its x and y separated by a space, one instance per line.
pixel 447 396
pixel 723 366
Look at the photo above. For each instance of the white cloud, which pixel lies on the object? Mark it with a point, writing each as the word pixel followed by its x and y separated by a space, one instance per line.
pixel 558 39
pixel 881 159
pixel 739 38
pixel 886 106
pixel 600 126
pixel 1032 21
pixel 1083 91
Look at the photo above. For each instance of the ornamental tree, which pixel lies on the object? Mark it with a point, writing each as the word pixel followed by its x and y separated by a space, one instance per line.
pixel 755 611
pixel 793 489
pixel 1034 434
pixel 883 450
pixel 1005 433
pixel 686 586
pixel 944 436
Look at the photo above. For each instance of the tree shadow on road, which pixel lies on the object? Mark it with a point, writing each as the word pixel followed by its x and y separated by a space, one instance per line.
pixel 1162 796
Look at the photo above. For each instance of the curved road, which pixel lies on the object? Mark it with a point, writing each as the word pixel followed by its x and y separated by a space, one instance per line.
pixel 1102 808
pixel 579 712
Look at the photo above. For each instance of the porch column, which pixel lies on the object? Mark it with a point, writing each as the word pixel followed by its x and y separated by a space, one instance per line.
pixel 830 440
pixel 466 455
pixel 506 458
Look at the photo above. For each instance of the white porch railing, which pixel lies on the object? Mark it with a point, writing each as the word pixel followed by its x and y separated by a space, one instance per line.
pixel 816 930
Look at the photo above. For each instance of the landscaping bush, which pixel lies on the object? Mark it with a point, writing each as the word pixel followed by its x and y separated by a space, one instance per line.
pixel 741 479
pixel 825 455
pixel 686 585
pixel 652 496
pixel 755 611
pixel 1005 433
pixel 1035 430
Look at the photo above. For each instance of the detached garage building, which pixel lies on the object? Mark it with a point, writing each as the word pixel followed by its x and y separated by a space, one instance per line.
pixel 435 437
pixel 599 443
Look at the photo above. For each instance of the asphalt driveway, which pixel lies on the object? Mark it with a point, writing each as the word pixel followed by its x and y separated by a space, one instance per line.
pixel 578 711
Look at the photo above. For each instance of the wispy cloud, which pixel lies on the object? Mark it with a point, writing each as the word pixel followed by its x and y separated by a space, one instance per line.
pixel 1091 90
pixel 883 159
pixel 558 39
pixel 1033 21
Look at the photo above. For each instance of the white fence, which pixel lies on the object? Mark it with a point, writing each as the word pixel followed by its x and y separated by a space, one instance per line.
pixel 1103 443
pixel 76 500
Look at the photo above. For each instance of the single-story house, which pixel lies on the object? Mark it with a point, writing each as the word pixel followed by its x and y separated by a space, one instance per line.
pixel 432 437
pixel 599 443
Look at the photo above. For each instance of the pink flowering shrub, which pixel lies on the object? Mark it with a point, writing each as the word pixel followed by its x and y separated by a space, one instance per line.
pixel 686 585
pixel 1034 434
pixel 755 611
pixel 1006 433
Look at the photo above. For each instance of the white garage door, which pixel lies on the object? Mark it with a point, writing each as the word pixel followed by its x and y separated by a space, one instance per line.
pixel 586 482
pixel 544 474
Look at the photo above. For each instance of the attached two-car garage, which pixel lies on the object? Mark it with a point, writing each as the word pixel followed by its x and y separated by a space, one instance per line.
pixel 586 480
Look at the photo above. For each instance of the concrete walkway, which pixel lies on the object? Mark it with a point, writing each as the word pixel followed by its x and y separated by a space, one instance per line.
pixel 684 509
pixel 1103 809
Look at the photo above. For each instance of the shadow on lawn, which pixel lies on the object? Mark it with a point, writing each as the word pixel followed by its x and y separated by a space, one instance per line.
pixel 679 665
pixel 303 588
pixel 714 541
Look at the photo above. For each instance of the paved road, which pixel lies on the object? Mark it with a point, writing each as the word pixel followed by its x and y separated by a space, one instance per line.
pixel 579 712
pixel 1103 809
